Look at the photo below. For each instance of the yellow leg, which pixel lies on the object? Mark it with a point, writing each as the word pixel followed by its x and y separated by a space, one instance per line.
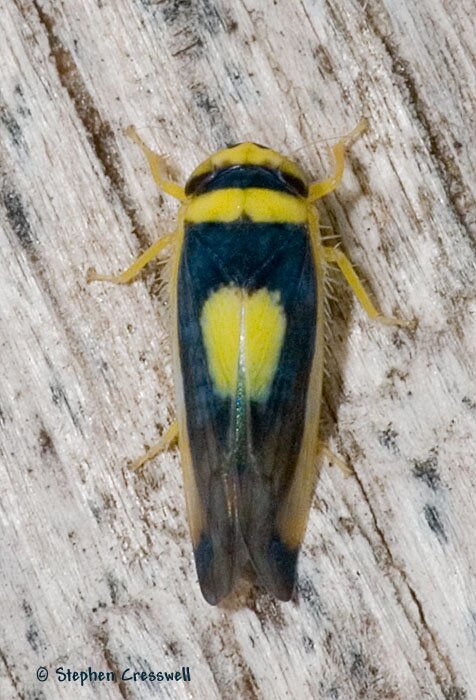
pixel 320 189
pixel 332 255
pixel 163 444
pixel 156 164
pixel 136 267
pixel 334 459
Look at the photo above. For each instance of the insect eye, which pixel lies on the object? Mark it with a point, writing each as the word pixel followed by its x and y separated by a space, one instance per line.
pixel 196 183
pixel 295 183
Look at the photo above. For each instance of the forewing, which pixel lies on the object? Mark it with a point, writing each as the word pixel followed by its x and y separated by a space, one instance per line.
pixel 247 318
pixel 208 419
pixel 277 485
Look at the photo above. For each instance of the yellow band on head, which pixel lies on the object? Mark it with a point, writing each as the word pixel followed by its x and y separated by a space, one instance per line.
pixel 248 153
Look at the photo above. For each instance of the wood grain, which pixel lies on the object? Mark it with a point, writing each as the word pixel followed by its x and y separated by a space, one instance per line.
pixel 97 567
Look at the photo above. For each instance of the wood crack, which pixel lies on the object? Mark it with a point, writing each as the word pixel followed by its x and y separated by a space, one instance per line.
pixel 445 164
pixel 427 639
pixel 11 675
pixel 99 131
pixel 103 640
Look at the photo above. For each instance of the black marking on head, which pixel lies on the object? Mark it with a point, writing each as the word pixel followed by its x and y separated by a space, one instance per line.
pixel 246 175
pixel 295 183
pixel 240 143
pixel 435 523
pixel 194 185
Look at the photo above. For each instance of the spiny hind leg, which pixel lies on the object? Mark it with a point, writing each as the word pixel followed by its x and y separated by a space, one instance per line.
pixel 128 275
pixel 333 255
pixel 320 189
pixel 161 445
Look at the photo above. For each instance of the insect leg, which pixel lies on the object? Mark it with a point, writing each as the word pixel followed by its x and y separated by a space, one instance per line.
pixel 161 445
pixel 320 189
pixel 156 165
pixel 132 271
pixel 334 459
pixel 333 255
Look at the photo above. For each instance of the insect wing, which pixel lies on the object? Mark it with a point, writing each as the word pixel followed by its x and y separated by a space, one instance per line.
pixel 247 318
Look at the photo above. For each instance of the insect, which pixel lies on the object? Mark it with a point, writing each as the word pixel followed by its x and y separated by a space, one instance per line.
pixel 247 298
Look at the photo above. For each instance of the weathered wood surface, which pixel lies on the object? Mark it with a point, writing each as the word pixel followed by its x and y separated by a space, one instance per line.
pixel 96 562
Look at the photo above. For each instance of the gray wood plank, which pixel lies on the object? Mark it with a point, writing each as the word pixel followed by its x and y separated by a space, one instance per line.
pixel 97 566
